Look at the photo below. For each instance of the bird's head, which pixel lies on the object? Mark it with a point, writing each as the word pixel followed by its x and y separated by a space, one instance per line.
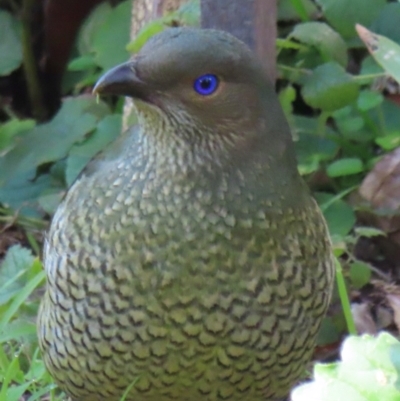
pixel 205 83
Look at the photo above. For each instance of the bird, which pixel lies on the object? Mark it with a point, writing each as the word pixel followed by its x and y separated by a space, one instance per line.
pixel 189 260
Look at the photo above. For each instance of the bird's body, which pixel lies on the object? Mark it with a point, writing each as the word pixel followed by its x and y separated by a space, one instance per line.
pixel 189 260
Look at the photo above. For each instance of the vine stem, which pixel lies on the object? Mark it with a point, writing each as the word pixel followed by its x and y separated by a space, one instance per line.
pixel 344 299
pixel 31 71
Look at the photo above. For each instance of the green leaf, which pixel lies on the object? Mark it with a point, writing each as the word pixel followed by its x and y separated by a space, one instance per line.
pixel 330 88
pixel 390 141
pixel 369 232
pixel 286 97
pixel 15 265
pixel 82 63
pixel 387 22
pixel 360 274
pixel 312 148
pixel 12 372
pixel 22 296
pixel 369 67
pixel 345 166
pixel 368 371
pixel 76 118
pixel 188 14
pixel 10 43
pixel 90 28
pixel 11 128
pixel 368 364
pixel 324 38
pixel 15 392
pixel 332 390
pixel 288 44
pixel 109 42
pixel 346 121
pixel 300 8
pixel 292 9
pixel 353 127
pixel 343 15
pixel 386 117
pixel 107 131
pixel 18 329
pixel 50 199
pixel 328 332
pixel 21 192
pixel 369 99
pixel 383 50
pixel 149 30
pixel 350 124
pixel 339 215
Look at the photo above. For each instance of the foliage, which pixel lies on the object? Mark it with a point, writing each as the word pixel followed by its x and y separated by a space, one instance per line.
pixel 81 128
pixel 187 15
pixel 369 371
pixel 21 368
pixel 349 125
pixel 101 42
pixel 10 43
pixel 385 51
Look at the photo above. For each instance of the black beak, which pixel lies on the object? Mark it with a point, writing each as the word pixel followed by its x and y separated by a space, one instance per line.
pixel 122 80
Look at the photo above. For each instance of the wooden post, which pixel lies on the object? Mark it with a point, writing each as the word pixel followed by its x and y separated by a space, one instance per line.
pixel 252 21
pixel 144 11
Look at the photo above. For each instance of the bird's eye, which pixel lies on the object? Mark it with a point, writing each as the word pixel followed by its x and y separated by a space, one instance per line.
pixel 206 84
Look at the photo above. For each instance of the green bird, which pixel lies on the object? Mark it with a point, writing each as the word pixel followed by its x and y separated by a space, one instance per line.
pixel 188 261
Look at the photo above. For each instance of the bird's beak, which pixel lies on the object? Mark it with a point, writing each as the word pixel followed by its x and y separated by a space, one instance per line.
pixel 122 80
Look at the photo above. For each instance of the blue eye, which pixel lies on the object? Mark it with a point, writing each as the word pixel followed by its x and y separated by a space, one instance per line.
pixel 206 84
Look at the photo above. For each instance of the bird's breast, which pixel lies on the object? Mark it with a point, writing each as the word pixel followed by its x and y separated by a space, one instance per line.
pixel 189 287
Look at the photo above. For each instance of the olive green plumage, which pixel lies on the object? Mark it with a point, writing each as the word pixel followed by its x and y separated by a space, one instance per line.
pixel 189 259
